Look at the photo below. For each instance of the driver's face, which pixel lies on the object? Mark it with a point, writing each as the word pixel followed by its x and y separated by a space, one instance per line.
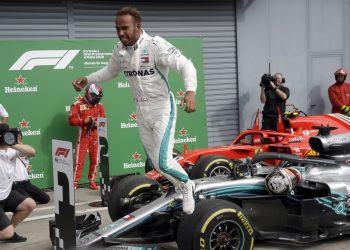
pixel 127 30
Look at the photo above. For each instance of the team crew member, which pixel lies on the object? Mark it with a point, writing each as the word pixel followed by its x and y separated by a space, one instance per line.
pixel 11 200
pixel 3 114
pixel 84 114
pixel 145 62
pixel 339 93
pixel 22 182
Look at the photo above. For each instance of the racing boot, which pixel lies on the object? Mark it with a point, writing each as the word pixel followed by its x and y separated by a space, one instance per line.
pixel 93 185
pixel 187 190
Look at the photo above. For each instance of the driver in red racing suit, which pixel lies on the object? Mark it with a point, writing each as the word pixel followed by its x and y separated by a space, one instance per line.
pixel 84 114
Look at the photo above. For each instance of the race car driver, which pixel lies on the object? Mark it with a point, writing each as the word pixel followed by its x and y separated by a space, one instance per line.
pixel 145 62
pixel 339 93
pixel 84 114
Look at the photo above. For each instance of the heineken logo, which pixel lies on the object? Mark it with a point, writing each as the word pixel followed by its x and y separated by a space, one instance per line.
pixel 136 156
pixel 33 176
pixel 184 137
pixel 26 131
pixel 180 93
pixel 21 86
pixel 136 161
pixel 132 121
pixel 133 116
pixel 20 80
pixel 183 132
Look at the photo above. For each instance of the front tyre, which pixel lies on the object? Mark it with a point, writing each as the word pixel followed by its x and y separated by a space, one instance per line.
pixel 131 193
pixel 219 224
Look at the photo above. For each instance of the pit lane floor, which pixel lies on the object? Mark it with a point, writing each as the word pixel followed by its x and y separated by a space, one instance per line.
pixel 36 228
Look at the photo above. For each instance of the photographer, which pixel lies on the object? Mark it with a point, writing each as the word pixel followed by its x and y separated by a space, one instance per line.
pixel 274 95
pixel 22 183
pixel 11 200
pixel 84 114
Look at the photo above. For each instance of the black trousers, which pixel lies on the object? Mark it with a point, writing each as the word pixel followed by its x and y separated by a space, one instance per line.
pixel 28 189
pixel 269 123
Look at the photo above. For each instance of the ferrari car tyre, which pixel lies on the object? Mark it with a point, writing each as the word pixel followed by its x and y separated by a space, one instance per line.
pixel 148 165
pixel 131 193
pixel 212 165
pixel 215 224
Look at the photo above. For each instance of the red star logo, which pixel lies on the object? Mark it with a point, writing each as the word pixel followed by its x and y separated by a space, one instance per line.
pixel 79 98
pixel 23 123
pixel 180 93
pixel 133 116
pixel 136 156
pixel 183 132
pixel 20 79
pixel 29 168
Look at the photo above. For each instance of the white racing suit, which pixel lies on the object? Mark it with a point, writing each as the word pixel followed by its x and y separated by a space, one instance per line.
pixel 146 66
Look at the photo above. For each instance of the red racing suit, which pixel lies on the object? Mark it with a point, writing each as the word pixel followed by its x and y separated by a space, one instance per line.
pixel 339 95
pixel 87 138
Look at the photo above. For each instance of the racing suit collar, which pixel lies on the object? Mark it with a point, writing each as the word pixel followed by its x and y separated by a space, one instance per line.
pixel 134 47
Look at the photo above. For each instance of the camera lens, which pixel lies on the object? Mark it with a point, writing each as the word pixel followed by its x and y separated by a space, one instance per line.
pixel 10 138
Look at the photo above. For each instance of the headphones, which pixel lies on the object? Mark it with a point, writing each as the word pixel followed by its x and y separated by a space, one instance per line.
pixel 283 78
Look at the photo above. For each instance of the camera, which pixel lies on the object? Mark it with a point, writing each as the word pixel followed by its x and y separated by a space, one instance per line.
pixel 9 137
pixel 265 80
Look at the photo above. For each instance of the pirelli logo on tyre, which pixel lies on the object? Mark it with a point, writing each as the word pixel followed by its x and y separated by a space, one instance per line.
pixel 33 58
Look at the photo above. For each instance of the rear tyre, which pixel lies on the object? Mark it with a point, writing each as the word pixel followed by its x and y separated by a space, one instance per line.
pixel 131 193
pixel 212 165
pixel 215 224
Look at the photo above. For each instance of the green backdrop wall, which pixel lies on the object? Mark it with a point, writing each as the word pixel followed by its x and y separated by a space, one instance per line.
pixel 36 90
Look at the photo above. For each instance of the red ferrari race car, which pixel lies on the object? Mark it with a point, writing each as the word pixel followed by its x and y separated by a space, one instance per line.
pixel 292 137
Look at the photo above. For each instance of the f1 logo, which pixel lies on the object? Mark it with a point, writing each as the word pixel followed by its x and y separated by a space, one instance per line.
pixel 62 151
pixel 30 59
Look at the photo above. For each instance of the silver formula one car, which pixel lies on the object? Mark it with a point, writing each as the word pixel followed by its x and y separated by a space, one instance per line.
pixel 299 200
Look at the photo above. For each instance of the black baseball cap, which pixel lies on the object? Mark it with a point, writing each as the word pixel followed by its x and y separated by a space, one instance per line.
pixel 4 128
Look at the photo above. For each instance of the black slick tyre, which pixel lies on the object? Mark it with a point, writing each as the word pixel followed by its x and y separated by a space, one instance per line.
pixel 212 165
pixel 130 193
pixel 215 224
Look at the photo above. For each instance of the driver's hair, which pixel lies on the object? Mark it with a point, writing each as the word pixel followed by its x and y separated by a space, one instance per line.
pixel 132 11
